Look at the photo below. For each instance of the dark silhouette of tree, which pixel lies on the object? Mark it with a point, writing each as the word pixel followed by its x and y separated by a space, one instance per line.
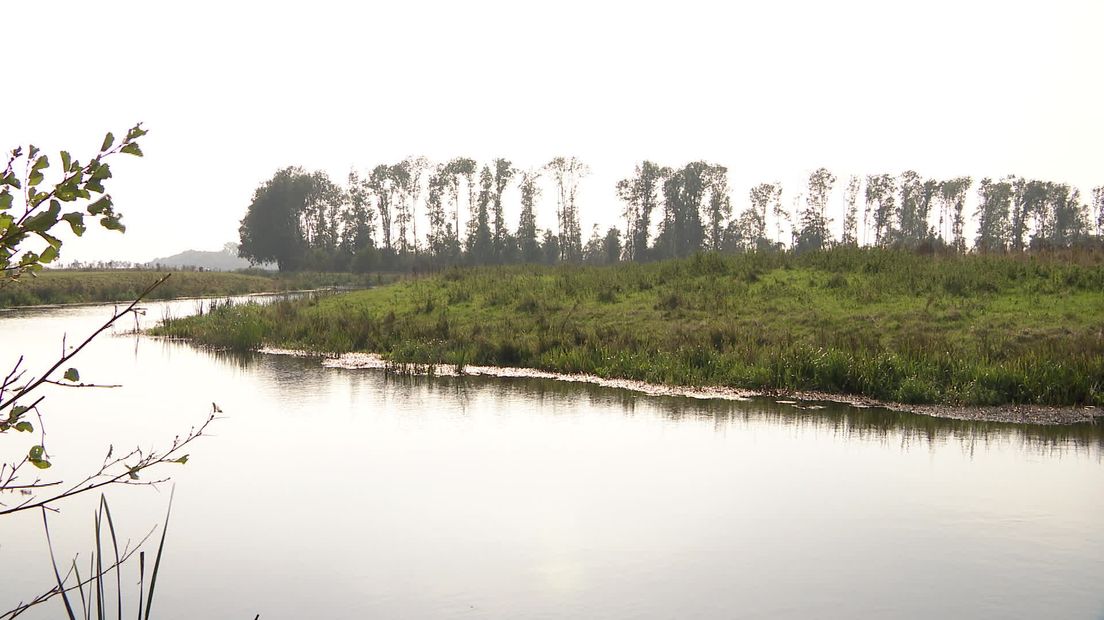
pixel 413 170
pixel 640 193
pixel 271 230
pixel 762 197
pixel 382 185
pixel 593 253
pixel 719 207
pixel 457 169
pixel 400 184
pixel 1064 220
pixel 850 218
pixel 880 200
pixel 781 215
pixel 1029 203
pixel 551 247
pixel 952 195
pixel 994 205
pixel 914 209
pixel 603 249
pixel 479 242
pixel 566 172
pixel 323 201
pixel 440 232
pixel 358 226
pixel 292 215
pixel 911 230
pixel 681 232
pixel 611 245
pixel 501 241
pixel 1098 208
pixel 741 233
pixel 813 233
pixel 302 220
pixel 929 193
pixel 528 244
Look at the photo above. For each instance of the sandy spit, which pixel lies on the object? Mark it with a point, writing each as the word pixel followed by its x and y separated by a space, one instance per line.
pixel 1017 414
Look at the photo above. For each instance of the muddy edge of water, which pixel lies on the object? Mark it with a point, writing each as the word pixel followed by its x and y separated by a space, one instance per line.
pixel 1018 414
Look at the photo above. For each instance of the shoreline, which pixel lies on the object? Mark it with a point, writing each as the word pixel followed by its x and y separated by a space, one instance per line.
pixel 82 304
pixel 1010 414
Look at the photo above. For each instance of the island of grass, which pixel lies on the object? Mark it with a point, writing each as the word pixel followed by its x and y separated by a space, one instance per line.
pixel 889 325
pixel 67 286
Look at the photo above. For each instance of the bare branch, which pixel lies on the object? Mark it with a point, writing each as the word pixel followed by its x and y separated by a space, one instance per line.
pixel 68 356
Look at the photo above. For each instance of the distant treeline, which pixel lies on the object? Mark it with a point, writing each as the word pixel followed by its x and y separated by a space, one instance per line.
pixel 304 220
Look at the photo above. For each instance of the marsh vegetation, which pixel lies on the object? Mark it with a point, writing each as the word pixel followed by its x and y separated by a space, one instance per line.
pixel 892 325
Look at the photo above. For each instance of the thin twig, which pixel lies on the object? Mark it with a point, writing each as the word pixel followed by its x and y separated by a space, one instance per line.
pixel 68 356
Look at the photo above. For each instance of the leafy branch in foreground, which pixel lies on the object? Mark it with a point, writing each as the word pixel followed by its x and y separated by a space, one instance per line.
pixel 30 209
pixel 41 206
pixel 34 216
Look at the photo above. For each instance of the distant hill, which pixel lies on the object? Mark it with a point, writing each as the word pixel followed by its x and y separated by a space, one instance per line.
pixel 226 259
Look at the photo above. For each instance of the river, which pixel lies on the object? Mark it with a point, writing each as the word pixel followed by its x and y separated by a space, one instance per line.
pixel 336 493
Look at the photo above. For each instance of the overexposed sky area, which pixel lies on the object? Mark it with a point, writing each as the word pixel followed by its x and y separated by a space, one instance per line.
pixel 232 91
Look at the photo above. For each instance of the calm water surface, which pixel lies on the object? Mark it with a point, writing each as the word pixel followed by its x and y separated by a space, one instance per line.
pixel 334 493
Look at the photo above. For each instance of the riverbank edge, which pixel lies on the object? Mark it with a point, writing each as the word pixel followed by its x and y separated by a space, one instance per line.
pixel 1010 414
pixel 81 304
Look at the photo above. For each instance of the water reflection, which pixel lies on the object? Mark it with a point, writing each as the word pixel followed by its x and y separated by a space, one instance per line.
pixel 357 493
pixel 909 430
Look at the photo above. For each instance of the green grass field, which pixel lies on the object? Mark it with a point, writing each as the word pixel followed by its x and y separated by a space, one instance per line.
pixel 63 286
pixel 885 324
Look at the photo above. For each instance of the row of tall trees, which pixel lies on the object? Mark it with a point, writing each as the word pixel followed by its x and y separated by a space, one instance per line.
pixel 301 219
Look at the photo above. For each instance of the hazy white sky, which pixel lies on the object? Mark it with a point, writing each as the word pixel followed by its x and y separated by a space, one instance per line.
pixel 232 91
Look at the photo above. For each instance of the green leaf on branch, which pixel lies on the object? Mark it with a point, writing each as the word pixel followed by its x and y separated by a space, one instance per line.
pixel 15 412
pixel 45 220
pixel 48 255
pixel 132 149
pixel 24 427
pixel 67 190
pixel 109 139
pixel 35 453
pixel 41 164
pixel 36 198
pixel 66 161
pixel 40 463
pixel 182 460
pixel 111 222
pixel 101 172
pixel 76 222
pixel 135 132
pixel 52 240
pixel 35 178
pixel 72 375
pixel 100 206
pixel 5 200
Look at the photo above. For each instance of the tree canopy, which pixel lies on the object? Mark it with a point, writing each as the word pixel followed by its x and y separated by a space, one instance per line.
pixel 302 220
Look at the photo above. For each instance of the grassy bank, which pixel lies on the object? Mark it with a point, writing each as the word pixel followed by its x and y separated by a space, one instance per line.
pixel 78 286
pixel 884 324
